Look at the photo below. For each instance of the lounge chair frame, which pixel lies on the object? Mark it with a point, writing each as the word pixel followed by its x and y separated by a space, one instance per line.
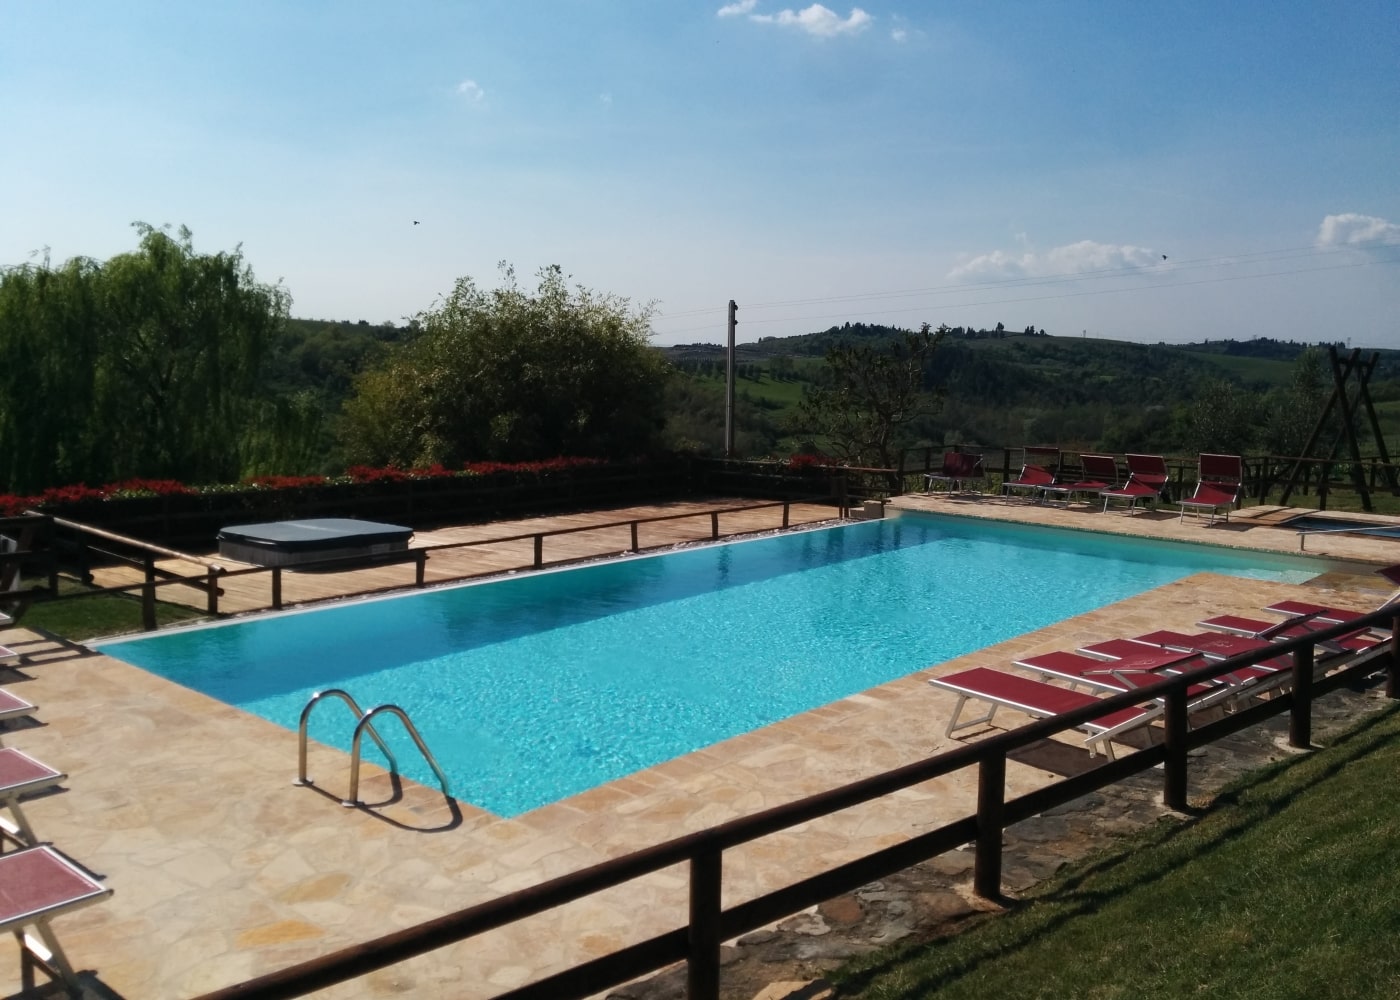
pixel 1218 484
pixel 1038 700
pixel 958 469
pixel 1040 468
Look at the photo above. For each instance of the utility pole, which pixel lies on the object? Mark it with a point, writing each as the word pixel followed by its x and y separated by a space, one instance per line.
pixel 729 386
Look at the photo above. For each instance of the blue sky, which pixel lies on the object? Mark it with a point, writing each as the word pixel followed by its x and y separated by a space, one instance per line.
pixel 960 163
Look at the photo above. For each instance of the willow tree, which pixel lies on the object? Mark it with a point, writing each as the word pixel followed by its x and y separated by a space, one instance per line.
pixel 144 365
pixel 512 375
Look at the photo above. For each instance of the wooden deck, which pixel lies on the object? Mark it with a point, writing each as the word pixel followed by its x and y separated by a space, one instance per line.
pixel 253 592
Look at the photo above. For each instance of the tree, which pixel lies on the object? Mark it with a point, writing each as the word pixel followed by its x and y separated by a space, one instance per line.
pixel 145 365
pixel 512 375
pixel 869 394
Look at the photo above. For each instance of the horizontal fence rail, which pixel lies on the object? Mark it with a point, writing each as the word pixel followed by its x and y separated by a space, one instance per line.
pixel 697 943
pixel 212 579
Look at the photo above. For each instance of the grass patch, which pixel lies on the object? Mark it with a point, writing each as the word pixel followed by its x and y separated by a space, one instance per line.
pixel 83 618
pixel 1284 888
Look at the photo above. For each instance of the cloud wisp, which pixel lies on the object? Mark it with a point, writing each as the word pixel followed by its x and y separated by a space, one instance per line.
pixel 1084 257
pixel 471 91
pixel 1361 231
pixel 816 20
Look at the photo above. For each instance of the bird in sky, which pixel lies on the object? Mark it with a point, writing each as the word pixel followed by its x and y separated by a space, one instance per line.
pixel 1164 256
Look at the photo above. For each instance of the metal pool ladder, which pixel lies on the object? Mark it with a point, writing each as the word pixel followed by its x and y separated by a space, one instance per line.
pixel 363 724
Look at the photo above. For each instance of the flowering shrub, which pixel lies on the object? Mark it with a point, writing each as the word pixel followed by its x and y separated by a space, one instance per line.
pixel 801 463
pixel 559 464
pixel 369 474
pixel 76 493
pixel 147 488
pixel 131 488
pixel 10 505
pixel 286 482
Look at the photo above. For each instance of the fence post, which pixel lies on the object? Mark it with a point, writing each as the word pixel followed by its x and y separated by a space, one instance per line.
pixel 1300 715
pixel 148 596
pixel 539 551
pixel 277 588
pixel 1323 475
pixel 212 585
pixel 714 525
pixel 420 574
pixel 702 961
pixel 1174 778
pixel 991 811
pixel 634 536
pixel 787 508
pixel 1392 670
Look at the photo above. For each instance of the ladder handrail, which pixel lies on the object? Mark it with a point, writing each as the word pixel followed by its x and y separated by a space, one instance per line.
pixel 1305 533
pixel 350 702
pixel 364 724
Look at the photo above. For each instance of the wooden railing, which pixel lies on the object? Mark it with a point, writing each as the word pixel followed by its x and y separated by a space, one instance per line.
pixel 697 942
pixel 86 538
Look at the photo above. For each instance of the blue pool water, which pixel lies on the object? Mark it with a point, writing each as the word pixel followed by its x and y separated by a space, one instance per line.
pixel 537 687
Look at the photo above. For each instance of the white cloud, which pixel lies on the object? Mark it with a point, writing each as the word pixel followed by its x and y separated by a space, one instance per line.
pixel 1084 257
pixel 471 91
pixel 735 9
pixel 817 20
pixel 899 34
pixel 605 99
pixel 1349 229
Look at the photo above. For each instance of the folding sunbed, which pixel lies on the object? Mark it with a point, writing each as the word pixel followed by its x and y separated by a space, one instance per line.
pixel 1147 481
pixel 1038 700
pixel 1039 471
pixel 12 706
pixel 37 885
pixel 1100 473
pixel 20 775
pixel 958 467
pixel 8 655
pixel 1218 483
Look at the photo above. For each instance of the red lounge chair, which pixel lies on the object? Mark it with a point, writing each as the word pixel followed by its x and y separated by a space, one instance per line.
pixel 1038 700
pixel 1147 481
pixel 1040 469
pixel 12 706
pixel 1242 683
pixel 1078 668
pixel 1100 473
pixel 1300 611
pixel 36 885
pixel 20 775
pixel 958 467
pixel 1218 485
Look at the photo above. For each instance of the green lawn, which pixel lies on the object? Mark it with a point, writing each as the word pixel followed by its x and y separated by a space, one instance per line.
pixel 86 618
pixel 1285 887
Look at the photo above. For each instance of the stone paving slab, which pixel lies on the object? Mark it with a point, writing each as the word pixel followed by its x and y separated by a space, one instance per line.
pixel 223 870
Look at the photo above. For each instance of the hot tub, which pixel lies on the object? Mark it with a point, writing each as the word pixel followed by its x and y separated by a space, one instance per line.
pixel 291 543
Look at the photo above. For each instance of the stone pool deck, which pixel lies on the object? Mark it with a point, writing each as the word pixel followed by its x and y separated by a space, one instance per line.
pixel 223 870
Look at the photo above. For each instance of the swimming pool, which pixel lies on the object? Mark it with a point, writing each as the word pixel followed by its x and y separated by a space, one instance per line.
pixel 536 687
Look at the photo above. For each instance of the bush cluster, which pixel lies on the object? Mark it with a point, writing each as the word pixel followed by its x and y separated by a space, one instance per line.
pixel 62 496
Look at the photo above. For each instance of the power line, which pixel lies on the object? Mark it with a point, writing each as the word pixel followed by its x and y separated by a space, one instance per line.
pixel 1259 257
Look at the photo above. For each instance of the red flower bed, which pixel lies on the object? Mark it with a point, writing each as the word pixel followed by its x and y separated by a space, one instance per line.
pixel 160 487
pixel 800 462
pixel 11 505
pixel 286 482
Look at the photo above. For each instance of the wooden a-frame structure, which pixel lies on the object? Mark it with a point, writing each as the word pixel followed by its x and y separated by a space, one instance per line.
pixel 1341 398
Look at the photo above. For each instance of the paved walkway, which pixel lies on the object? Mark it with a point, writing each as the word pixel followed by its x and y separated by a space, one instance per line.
pixel 223 870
